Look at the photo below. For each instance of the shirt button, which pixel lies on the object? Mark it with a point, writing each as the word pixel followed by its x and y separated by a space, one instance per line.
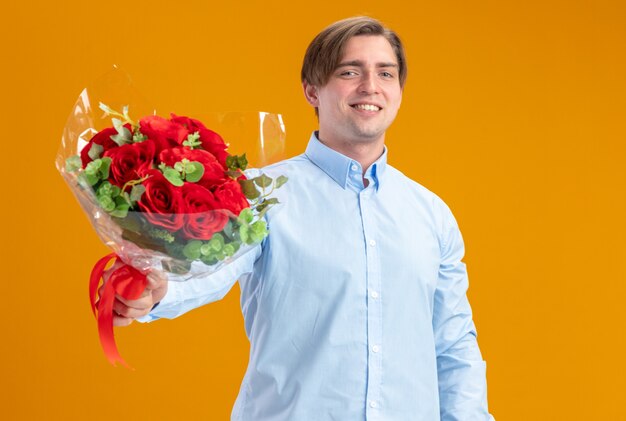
pixel 375 348
pixel 374 404
pixel 354 167
pixel 372 243
pixel 374 294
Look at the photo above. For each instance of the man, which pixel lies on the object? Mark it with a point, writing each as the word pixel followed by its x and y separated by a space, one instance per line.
pixel 355 306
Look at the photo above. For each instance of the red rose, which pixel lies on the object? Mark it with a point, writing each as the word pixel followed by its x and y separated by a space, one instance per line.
pixel 130 161
pixel 102 138
pixel 213 171
pixel 202 217
pixel 230 196
pixel 211 141
pixel 162 202
pixel 165 133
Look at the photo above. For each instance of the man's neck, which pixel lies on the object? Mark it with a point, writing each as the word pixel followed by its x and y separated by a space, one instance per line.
pixel 365 153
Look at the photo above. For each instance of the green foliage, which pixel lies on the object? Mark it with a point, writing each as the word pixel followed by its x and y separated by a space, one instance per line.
pixel 193 171
pixel 184 170
pixel 280 181
pixel 249 190
pixel 123 135
pixel 192 250
pixel 73 163
pixel 193 140
pixel 245 216
pixel 161 234
pixel 95 171
pixel 136 192
pixel 172 176
pixel 95 151
pixel 139 137
pixel 263 181
pixel 237 162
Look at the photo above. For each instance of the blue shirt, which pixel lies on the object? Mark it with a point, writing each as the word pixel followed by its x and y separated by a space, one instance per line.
pixel 355 305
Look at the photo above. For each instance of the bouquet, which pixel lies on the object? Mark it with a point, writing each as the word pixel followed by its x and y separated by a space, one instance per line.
pixel 163 193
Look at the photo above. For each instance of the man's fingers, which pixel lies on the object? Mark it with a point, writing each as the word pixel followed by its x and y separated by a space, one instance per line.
pixel 142 302
pixel 121 321
pixel 156 280
pixel 123 310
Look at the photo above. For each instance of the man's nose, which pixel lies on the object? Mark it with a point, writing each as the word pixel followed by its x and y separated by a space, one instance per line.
pixel 368 84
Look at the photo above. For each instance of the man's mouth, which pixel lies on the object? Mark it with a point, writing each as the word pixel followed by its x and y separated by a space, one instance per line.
pixel 366 107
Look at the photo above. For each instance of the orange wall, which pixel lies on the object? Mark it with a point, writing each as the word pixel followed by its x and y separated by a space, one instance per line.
pixel 514 113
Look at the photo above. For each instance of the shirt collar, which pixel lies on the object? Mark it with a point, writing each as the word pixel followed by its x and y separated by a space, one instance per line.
pixel 339 166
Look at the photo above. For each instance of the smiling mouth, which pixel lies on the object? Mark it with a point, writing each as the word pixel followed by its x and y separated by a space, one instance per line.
pixel 366 107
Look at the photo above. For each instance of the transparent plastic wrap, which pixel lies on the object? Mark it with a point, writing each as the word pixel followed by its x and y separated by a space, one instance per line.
pixel 166 193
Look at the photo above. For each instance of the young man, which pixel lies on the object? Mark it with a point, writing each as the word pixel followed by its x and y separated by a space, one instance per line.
pixel 355 306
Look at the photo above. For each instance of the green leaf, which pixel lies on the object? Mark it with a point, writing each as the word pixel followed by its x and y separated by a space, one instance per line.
pixel 123 135
pixel 249 189
pixel 105 165
pixel 115 191
pixel 173 176
pixel 87 180
pixel 229 250
pixel 139 137
pixel 205 249
pixel 194 171
pixel 179 166
pixel 258 231
pixel 234 162
pixel 209 260
pixel 105 189
pixel 123 198
pixel 263 181
pixel 270 201
pixel 280 181
pixel 93 167
pixel 120 211
pixel 136 192
pixel 73 163
pixel 244 233
pixel 161 234
pixel 246 216
pixel 106 108
pixel 228 230
pixel 95 151
pixel 217 242
pixel 233 174
pixel 193 140
pixel 192 250
pixel 106 203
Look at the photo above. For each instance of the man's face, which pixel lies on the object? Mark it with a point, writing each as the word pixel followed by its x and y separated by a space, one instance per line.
pixel 362 96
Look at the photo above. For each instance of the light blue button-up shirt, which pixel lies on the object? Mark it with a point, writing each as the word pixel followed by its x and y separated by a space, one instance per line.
pixel 355 306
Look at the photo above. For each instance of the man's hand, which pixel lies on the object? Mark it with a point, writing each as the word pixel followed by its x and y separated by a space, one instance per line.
pixel 125 311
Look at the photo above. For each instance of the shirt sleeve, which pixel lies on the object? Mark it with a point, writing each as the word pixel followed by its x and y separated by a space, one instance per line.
pixel 183 296
pixel 460 367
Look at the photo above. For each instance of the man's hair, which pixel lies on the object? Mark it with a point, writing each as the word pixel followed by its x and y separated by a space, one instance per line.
pixel 326 50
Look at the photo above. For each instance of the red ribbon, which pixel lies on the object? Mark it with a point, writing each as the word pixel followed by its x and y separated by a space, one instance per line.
pixel 125 281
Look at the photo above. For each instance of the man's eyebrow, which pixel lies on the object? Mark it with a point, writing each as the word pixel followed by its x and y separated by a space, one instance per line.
pixel 359 63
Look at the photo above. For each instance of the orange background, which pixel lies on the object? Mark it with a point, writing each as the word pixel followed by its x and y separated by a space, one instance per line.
pixel 514 113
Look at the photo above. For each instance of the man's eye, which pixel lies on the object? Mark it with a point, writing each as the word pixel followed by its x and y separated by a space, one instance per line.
pixel 387 75
pixel 348 73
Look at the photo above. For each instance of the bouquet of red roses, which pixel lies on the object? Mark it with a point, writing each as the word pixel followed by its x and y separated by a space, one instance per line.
pixel 163 193
pixel 172 189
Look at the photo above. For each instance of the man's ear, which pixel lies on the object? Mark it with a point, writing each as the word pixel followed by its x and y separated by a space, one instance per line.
pixel 310 93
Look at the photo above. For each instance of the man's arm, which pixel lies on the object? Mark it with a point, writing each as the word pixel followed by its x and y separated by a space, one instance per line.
pixel 460 367
pixel 166 297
